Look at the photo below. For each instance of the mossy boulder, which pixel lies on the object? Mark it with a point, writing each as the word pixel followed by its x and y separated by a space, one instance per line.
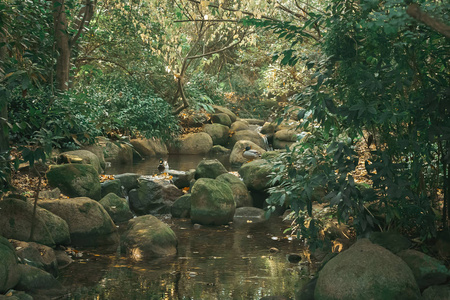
pixel 153 196
pixel 219 151
pixel 209 168
pixel 221 118
pixel 37 255
pixel 256 174
pixel 239 125
pixel 149 147
pixel 437 292
pixel 75 180
pixel 247 135
pixel 218 133
pixel 366 271
pixel 84 157
pixel 192 143
pixel 426 269
pixel 129 181
pixel 241 194
pixel 9 270
pixel 393 241
pixel 98 151
pixel 182 179
pixel 89 223
pixel 117 153
pixel 212 202
pixel 35 279
pixel 181 208
pixel 221 109
pixel 147 237
pixel 236 156
pixel 111 186
pixel 116 207
pixel 268 128
pixel 16 218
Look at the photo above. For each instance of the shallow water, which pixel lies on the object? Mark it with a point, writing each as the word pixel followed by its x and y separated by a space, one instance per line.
pixel 212 263
pixel 221 262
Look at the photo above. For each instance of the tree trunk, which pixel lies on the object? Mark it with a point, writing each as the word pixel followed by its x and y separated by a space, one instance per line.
pixel 62 45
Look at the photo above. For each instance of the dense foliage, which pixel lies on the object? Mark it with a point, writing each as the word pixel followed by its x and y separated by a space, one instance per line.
pixel 384 77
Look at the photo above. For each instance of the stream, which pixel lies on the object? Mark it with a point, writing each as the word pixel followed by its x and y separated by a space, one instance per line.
pixel 213 262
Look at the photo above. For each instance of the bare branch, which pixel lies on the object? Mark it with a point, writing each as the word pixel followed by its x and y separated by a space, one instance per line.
pixel 216 51
pixel 88 13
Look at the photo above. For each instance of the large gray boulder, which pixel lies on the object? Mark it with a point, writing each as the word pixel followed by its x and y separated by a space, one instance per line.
pixel 181 208
pixel 153 196
pixel 437 292
pixel 366 271
pixel 116 152
pixel 218 133
pixel 209 168
pixel 89 223
pixel 116 207
pixel 283 138
pixel 212 202
pixel 182 179
pixel 149 147
pixel 84 157
pixel 221 109
pixel 75 180
pixel 147 237
pixel 16 218
pixel 111 186
pixel 393 241
pixel 426 269
pixel 192 143
pixel 221 118
pixel 9 270
pixel 256 174
pixel 34 279
pixel 239 125
pixel 247 135
pixel 37 255
pixel 129 181
pixel 98 151
pixel 236 157
pixel 241 194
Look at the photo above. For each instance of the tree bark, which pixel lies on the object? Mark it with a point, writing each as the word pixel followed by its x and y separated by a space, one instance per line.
pixel 64 42
pixel 62 45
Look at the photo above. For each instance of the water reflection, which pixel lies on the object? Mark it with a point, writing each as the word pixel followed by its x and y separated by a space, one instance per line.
pixel 212 263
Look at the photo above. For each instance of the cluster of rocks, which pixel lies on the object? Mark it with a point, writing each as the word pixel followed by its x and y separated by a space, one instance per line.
pixel 380 267
pixel 90 215
pixel 89 211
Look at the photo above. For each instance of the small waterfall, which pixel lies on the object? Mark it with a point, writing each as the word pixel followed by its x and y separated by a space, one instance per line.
pixel 268 147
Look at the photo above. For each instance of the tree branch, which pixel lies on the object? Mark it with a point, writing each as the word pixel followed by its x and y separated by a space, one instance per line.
pixel 414 11
pixel 216 51
pixel 234 10
pixel 88 12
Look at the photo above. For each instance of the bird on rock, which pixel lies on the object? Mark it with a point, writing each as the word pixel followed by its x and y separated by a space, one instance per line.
pixel 163 165
pixel 250 153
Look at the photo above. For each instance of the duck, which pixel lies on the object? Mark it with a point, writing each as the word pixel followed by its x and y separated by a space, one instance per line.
pixel 163 165
pixel 251 153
